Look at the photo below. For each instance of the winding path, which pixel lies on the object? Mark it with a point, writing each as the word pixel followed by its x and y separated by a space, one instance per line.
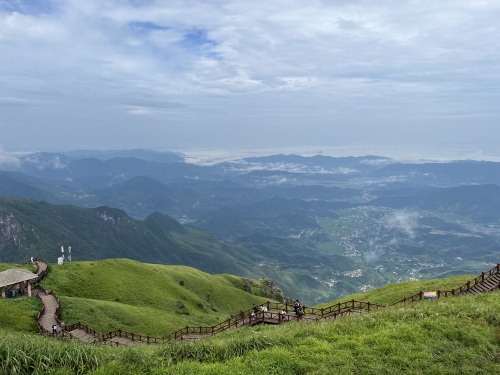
pixel 50 311
pixel 49 315
pixel 48 318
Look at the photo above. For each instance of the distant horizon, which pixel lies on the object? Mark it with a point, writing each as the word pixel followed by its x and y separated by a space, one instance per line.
pixel 210 156
pixel 202 156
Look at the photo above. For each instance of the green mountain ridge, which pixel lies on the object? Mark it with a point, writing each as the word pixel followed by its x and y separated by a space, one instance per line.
pixel 31 228
pixel 457 335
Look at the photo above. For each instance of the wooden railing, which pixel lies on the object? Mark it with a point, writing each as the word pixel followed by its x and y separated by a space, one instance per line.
pixel 133 337
pixel 272 315
pixel 468 285
pixel 245 318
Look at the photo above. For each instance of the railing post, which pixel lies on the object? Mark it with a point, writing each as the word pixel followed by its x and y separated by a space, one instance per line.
pixel 322 309
pixel 368 306
pixel 482 276
pixel 438 293
pixel 421 295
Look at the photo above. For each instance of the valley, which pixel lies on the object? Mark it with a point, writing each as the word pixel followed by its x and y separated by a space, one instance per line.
pixel 319 227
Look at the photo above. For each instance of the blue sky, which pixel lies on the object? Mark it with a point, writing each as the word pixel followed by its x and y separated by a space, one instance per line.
pixel 240 75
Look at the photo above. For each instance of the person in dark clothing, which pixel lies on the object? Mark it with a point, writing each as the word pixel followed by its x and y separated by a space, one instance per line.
pixel 297 306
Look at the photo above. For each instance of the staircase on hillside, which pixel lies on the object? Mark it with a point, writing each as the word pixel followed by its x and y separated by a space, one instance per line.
pixel 490 283
pixel 486 282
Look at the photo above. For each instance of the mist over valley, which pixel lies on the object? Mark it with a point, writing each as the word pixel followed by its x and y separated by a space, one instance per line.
pixel 320 227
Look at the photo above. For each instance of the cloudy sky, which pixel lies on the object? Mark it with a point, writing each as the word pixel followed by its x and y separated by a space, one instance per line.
pixel 229 74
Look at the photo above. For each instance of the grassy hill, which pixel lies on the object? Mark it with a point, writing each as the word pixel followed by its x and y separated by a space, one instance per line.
pixel 392 293
pixel 149 299
pixel 447 336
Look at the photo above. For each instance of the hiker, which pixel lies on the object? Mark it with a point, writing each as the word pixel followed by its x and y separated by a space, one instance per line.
pixel 253 316
pixel 282 315
pixel 263 308
pixel 296 307
pixel 255 308
pixel 54 329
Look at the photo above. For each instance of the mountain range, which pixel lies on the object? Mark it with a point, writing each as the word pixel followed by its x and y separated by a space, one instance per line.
pixel 320 226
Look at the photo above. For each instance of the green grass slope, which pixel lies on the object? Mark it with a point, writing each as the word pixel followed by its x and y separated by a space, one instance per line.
pixel 6 266
pixel 19 314
pixel 395 292
pixel 459 335
pixel 450 336
pixel 149 299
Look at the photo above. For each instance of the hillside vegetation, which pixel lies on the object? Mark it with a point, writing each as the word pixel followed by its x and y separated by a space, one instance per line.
pixel 392 293
pixel 448 336
pixel 149 299
pixel 321 227
pixel 31 228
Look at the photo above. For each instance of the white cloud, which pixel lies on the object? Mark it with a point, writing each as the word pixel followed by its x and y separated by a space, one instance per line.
pixel 8 160
pixel 404 221
pixel 358 69
pixel 40 162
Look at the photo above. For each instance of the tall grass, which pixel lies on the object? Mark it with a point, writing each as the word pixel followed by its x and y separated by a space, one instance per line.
pixel 19 314
pixel 457 336
pixel 21 354
pixel 449 336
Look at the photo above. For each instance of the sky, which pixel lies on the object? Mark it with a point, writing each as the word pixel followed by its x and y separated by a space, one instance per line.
pixel 241 75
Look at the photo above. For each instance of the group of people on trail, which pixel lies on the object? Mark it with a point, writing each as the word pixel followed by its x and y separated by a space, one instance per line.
pixel 256 309
pixel 297 308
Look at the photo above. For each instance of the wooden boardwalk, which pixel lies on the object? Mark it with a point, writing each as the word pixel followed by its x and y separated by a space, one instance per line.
pixel 83 336
pixel 486 282
pixel 488 285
